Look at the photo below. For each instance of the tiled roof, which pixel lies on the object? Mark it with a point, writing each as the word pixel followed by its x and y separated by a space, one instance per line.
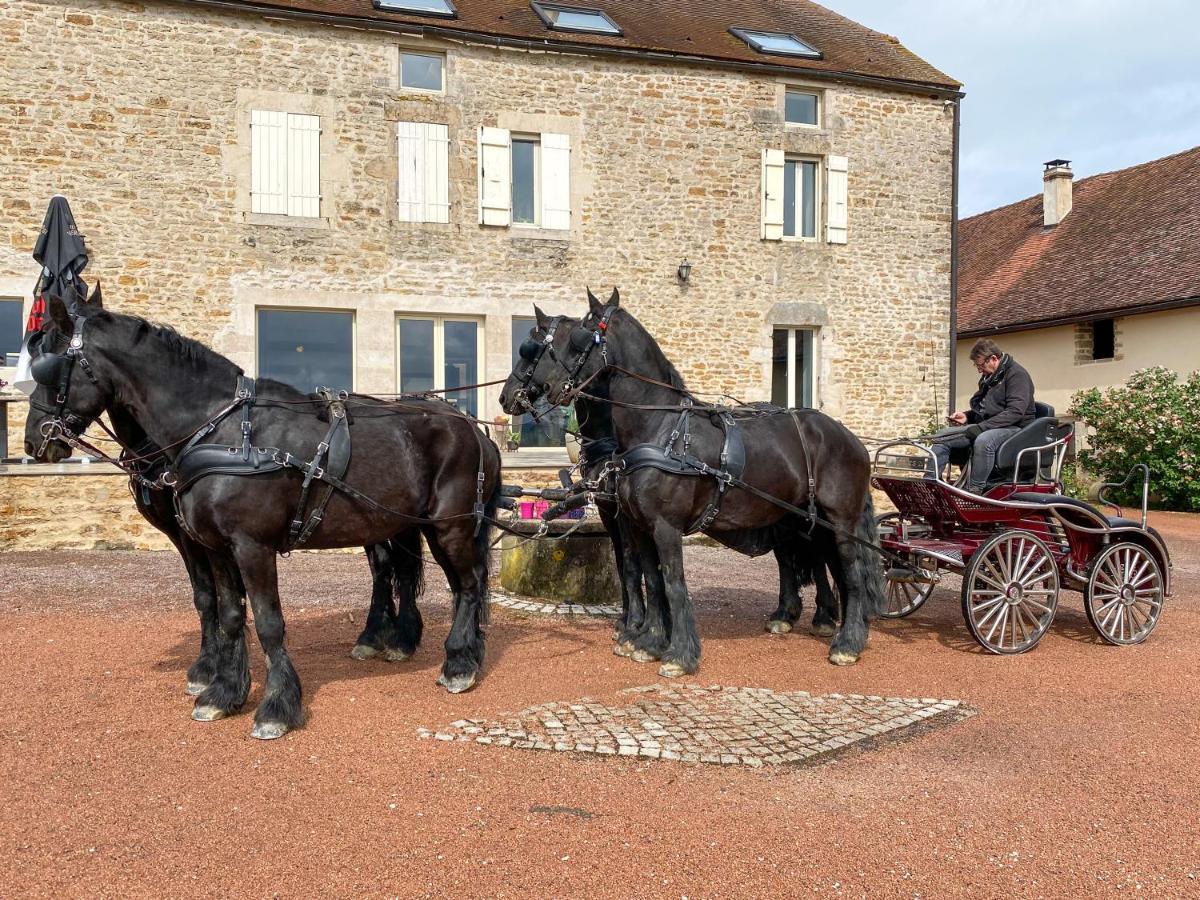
pixel 1130 243
pixel 697 28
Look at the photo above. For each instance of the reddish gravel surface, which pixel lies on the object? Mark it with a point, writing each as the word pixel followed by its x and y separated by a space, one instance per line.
pixel 1077 777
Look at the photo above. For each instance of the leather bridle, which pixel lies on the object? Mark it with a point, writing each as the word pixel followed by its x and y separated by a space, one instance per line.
pixel 582 340
pixel 54 370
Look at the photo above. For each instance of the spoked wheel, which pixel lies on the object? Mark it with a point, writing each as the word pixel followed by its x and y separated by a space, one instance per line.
pixel 1124 595
pixel 902 598
pixel 1010 592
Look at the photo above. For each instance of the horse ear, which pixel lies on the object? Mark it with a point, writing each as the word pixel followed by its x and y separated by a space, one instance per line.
pixel 543 320
pixel 594 304
pixel 96 301
pixel 592 301
pixel 615 299
pixel 59 314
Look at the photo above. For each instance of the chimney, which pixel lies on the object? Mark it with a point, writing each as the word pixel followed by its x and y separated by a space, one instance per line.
pixel 1056 195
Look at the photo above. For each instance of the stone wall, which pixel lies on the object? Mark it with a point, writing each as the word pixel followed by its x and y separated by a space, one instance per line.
pixel 139 113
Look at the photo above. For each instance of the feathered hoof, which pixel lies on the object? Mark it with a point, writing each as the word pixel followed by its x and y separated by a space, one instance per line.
pixel 777 626
pixel 623 649
pixel 824 630
pixel 842 657
pixel 672 670
pixel 362 651
pixel 208 713
pixel 394 654
pixel 644 656
pixel 195 688
pixel 457 684
pixel 268 731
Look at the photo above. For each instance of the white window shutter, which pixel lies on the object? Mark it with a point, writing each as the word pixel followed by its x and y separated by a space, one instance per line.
pixel 437 173
pixel 268 162
pixel 772 195
pixel 837 215
pixel 495 177
pixel 304 166
pixel 556 181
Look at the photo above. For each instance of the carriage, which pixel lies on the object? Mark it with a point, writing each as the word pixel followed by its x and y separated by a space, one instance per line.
pixel 1020 543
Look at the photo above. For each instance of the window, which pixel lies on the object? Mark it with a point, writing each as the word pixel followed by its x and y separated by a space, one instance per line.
pixel 793 378
pixel 524 179
pixel 800 198
pixel 12 329
pixel 1104 339
pixel 549 429
pixel 801 107
pixel 442 8
pixel 571 18
pixel 438 353
pixel 423 185
pixel 777 43
pixel 307 349
pixel 285 164
pixel 421 71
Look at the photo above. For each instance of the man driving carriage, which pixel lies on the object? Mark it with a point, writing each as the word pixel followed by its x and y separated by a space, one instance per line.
pixel 998 410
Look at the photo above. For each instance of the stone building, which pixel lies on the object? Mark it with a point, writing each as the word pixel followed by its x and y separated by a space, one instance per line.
pixel 373 195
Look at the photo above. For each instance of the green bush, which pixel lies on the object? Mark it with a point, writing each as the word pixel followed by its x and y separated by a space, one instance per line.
pixel 1154 418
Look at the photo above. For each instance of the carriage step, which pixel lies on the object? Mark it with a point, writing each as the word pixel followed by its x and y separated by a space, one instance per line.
pixel 910 576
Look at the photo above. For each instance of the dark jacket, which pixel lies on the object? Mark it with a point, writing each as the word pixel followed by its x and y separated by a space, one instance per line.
pixel 1004 398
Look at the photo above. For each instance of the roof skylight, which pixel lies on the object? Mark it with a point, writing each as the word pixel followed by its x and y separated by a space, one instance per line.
pixel 777 43
pixel 444 8
pixel 575 18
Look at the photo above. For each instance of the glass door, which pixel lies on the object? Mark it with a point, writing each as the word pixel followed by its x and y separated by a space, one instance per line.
pixel 793 374
pixel 439 353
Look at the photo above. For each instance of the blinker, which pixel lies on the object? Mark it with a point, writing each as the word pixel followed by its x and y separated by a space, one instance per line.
pixel 528 351
pixel 581 339
pixel 47 369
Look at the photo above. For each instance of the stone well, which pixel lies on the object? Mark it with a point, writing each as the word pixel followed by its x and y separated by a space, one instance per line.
pixel 578 567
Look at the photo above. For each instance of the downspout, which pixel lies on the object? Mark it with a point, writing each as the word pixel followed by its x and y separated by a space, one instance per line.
pixel 955 159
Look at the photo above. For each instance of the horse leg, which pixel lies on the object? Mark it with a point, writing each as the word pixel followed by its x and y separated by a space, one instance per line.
pixel 381 617
pixel 637 612
pixel 463 557
pixel 230 683
pixel 408 574
pixel 280 709
pixel 683 652
pixel 790 603
pixel 825 619
pixel 204 597
pixel 651 642
pixel 862 589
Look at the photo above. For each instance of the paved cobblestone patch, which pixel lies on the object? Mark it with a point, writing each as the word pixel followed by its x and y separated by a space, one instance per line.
pixel 715 725
pixel 545 608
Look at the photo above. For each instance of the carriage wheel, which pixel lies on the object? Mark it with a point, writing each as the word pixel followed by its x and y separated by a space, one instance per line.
pixel 1010 592
pixel 1124 594
pixel 902 598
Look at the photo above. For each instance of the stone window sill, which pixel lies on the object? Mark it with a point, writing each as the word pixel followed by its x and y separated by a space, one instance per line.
pixel 321 223
pixel 32 469
pixel 525 233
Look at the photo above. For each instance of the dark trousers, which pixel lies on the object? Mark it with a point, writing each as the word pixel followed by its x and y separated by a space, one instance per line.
pixel 983 453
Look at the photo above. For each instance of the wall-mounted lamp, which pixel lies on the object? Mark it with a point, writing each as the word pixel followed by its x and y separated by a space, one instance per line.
pixel 685 270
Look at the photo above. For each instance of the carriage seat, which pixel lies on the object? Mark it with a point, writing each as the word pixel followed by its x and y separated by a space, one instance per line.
pixel 1041 432
pixel 1091 511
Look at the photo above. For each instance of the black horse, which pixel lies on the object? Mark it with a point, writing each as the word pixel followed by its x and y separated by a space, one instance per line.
pixel 421 469
pixel 799 564
pixel 795 456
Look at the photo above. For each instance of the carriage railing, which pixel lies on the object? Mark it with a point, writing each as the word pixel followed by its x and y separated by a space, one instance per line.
pixel 1114 486
pixel 917 463
pixel 1059 450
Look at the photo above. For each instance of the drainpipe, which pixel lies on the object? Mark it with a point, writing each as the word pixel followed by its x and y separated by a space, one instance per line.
pixel 954 252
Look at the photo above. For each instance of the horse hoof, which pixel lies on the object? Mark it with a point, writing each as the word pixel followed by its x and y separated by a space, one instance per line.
pixel 843 658
pixel 395 655
pixel 208 713
pixel 775 626
pixel 625 649
pixel 824 630
pixel 362 651
pixel 195 687
pixel 458 684
pixel 268 731
pixel 671 670
pixel 644 656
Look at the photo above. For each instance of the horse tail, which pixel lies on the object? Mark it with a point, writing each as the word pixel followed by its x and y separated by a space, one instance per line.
pixel 406 563
pixel 871 570
pixel 489 459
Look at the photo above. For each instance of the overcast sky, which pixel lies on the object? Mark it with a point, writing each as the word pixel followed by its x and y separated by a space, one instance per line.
pixel 1104 83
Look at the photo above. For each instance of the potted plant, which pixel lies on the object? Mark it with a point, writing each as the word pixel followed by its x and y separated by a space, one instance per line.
pixel 500 429
pixel 572 441
pixel 514 441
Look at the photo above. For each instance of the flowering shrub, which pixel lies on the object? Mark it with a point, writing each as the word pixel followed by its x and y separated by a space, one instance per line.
pixel 1154 418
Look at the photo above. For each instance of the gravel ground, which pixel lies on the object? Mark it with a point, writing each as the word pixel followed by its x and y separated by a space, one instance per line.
pixel 1076 777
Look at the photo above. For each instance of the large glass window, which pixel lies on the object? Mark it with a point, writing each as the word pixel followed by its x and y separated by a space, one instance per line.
pixel 441 354
pixel 549 429
pixel 12 327
pixel 793 374
pixel 524 180
pixel 307 349
pixel 800 198
pixel 421 71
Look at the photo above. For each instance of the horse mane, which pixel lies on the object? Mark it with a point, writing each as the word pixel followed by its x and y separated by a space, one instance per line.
pixel 187 348
pixel 673 377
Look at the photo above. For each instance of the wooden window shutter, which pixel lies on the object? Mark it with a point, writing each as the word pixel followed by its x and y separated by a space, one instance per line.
pixel 495 177
pixel 304 166
pixel 423 184
pixel 437 173
pixel 268 162
pixel 556 181
pixel 772 195
pixel 837 214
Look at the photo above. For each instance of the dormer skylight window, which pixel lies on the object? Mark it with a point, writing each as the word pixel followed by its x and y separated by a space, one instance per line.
pixel 575 18
pixel 777 43
pixel 443 8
